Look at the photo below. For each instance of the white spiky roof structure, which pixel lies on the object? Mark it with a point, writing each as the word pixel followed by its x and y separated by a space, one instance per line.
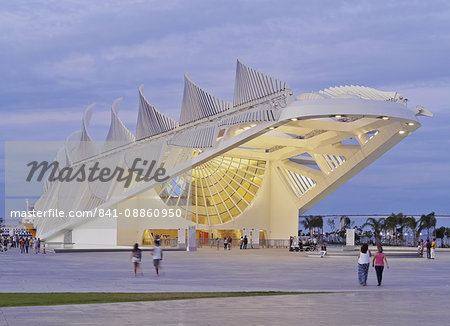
pixel 257 162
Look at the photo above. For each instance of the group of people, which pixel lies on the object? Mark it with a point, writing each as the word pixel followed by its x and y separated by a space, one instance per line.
pixel 298 244
pixel 430 246
pixel 136 257
pixel 24 243
pixel 243 242
pixel 227 241
pixel 378 261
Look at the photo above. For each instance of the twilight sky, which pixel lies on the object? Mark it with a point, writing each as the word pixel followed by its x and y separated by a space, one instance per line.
pixel 57 57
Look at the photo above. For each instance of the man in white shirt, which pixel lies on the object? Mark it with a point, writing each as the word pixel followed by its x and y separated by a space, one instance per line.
pixel 157 256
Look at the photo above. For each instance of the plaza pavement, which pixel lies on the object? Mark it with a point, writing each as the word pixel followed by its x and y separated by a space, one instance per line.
pixel 414 291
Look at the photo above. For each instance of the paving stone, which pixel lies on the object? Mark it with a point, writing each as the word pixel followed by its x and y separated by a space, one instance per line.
pixel 414 291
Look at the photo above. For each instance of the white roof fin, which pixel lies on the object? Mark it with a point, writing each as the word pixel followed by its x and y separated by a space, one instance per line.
pixel 251 84
pixel 118 134
pixel 150 121
pixel 198 103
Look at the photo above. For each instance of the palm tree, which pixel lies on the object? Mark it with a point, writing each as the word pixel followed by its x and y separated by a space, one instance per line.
pixel 359 232
pixel 391 225
pixel 377 226
pixel 396 223
pixel 401 224
pixel 345 222
pixel 308 224
pixel 412 224
pixel 447 234
pixel 440 234
pixel 427 222
pixel 368 234
pixel 331 225
pixel 318 223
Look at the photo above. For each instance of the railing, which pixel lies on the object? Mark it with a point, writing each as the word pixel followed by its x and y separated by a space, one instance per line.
pixel 235 243
pixel 164 242
pixel 263 243
pixel 274 243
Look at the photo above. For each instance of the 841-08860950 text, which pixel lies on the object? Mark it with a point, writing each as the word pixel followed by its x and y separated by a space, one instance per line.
pixel 140 212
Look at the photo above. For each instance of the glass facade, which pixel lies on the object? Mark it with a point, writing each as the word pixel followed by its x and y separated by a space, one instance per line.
pixel 217 191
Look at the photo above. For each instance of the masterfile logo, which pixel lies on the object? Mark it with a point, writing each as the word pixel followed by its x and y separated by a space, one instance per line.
pixel 140 170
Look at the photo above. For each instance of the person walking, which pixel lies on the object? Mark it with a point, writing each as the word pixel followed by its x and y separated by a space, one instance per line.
pixel 241 243
pixel 245 242
pixel 5 243
pixel 428 245
pixel 136 258
pixel 22 245
pixel 378 262
pixel 363 264
pixel 35 246
pixel 218 243
pixel 157 256
pixel 27 244
pixel 433 249
pixel 225 243
pixel 420 248
pixel 229 242
pixel 323 250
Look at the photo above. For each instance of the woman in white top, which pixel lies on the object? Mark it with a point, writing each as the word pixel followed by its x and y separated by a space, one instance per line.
pixel 136 258
pixel 363 264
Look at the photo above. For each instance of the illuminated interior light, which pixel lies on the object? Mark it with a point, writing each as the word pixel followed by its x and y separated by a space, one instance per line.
pixel 294 119
pixel 338 116
pixel 218 191
pixel 411 124
pixel 385 118
pixel 401 132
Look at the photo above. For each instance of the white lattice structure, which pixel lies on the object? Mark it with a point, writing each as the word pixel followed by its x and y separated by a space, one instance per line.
pixel 258 162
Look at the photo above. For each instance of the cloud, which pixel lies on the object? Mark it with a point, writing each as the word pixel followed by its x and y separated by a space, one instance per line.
pixel 58 57
pixel 25 119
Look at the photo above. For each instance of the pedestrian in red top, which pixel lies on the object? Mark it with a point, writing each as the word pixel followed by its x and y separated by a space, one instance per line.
pixel 378 262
